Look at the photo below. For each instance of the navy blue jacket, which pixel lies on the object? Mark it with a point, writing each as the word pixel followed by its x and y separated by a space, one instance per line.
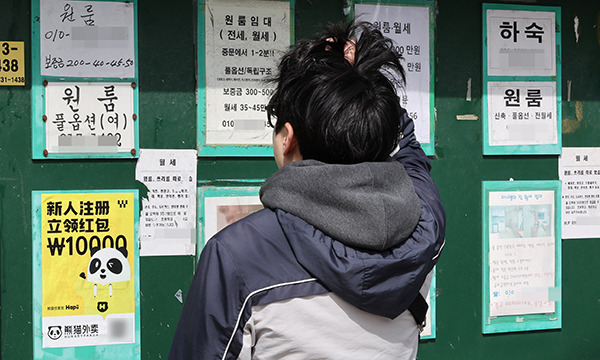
pixel 273 255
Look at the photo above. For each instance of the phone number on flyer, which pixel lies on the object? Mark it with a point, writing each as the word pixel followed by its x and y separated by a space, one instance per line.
pixel 12 79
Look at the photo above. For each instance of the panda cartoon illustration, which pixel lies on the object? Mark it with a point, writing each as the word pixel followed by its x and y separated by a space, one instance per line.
pixel 54 332
pixel 107 282
pixel 108 266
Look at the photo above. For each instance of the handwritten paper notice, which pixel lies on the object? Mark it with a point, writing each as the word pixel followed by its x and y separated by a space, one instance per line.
pixel 580 174
pixel 244 40
pixel 89 117
pixel 87 38
pixel 521 252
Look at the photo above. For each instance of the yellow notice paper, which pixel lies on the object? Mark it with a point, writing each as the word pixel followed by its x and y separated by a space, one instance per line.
pixel 88 280
pixel 12 63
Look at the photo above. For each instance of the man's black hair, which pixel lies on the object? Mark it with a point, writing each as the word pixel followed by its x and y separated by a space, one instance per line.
pixel 342 111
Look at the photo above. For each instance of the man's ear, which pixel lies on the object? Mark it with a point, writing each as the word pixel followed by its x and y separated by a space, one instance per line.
pixel 290 142
pixel 286 148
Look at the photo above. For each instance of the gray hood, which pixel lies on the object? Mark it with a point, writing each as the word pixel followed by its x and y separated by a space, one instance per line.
pixel 367 205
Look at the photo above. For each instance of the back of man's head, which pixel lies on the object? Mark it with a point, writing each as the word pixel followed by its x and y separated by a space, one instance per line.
pixel 342 106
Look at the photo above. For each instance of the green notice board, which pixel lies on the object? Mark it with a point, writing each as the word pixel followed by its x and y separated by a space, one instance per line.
pixel 167 40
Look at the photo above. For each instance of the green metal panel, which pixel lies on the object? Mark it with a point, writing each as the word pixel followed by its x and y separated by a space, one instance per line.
pixel 167 66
